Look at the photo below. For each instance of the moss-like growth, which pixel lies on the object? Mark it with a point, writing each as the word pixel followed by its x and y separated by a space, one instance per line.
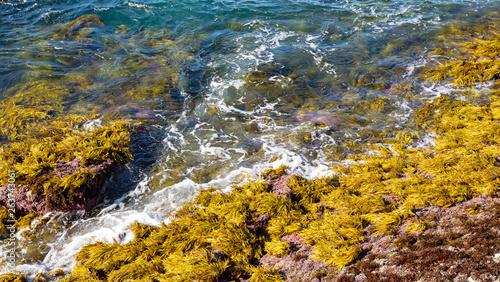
pixel 56 273
pixel 260 274
pixel 335 238
pixel 277 247
pixel 275 173
pixel 418 226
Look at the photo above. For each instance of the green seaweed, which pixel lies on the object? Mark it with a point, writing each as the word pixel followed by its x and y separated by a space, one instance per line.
pixel 277 247
pixel 335 238
pixel 261 274
pixel 471 55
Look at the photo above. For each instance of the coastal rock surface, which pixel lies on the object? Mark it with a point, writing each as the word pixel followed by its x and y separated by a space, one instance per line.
pixel 87 196
pixel 461 244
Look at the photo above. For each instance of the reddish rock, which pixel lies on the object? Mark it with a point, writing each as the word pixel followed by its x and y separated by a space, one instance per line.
pixel 279 186
pixel 86 197
pixel 294 240
pixel 297 265
pixel 314 117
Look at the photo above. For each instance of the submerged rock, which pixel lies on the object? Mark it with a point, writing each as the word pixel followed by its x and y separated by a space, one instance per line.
pixel 78 29
pixel 320 118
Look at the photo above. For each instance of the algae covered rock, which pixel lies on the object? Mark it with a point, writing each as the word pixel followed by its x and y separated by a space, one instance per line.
pixel 78 28
pixel 40 142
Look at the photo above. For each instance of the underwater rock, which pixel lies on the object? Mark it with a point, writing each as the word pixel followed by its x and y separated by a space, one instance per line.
pixel 86 198
pixel 130 109
pixel 317 117
pixel 78 29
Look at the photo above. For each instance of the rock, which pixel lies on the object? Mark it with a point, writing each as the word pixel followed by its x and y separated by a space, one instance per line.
pixel 86 196
pixel 317 117
pixel 279 186
pixel 294 240
pixel 256 225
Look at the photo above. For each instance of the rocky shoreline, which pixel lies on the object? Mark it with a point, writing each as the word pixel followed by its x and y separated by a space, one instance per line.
pixel 87 196
pixel 461 245
pixel 403 213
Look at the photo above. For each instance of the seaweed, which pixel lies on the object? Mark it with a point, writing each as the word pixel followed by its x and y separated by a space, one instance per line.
pixel 261 274
pixel 79 28
pixel 335 238
pixel 470 56
pixel 222 236
pixel 13 277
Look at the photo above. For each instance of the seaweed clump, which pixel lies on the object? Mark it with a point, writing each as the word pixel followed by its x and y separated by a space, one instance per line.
pixel 470 55
pixel 60 162
pixel 13 277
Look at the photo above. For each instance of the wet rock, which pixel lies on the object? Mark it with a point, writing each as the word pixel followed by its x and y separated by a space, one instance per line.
pixel 258 223
pixel 86 197
pixel 317 117
pixel 461 245
pixel 279 186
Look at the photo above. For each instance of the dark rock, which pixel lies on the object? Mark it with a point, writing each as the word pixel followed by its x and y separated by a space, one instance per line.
pixel 258 223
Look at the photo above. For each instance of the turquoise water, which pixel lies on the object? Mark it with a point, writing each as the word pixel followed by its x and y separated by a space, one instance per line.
pixel 327 24
pixel 225 89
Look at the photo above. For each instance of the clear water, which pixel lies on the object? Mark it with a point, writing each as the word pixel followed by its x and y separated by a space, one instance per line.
pixel 260 84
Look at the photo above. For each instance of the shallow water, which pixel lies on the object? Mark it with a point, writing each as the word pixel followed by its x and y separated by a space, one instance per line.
pixel 225 89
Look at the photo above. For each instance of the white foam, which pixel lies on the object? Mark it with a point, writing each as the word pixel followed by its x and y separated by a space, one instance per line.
pixel 404 110
pixel 109 227
pixel 425 141
pixel 92 124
